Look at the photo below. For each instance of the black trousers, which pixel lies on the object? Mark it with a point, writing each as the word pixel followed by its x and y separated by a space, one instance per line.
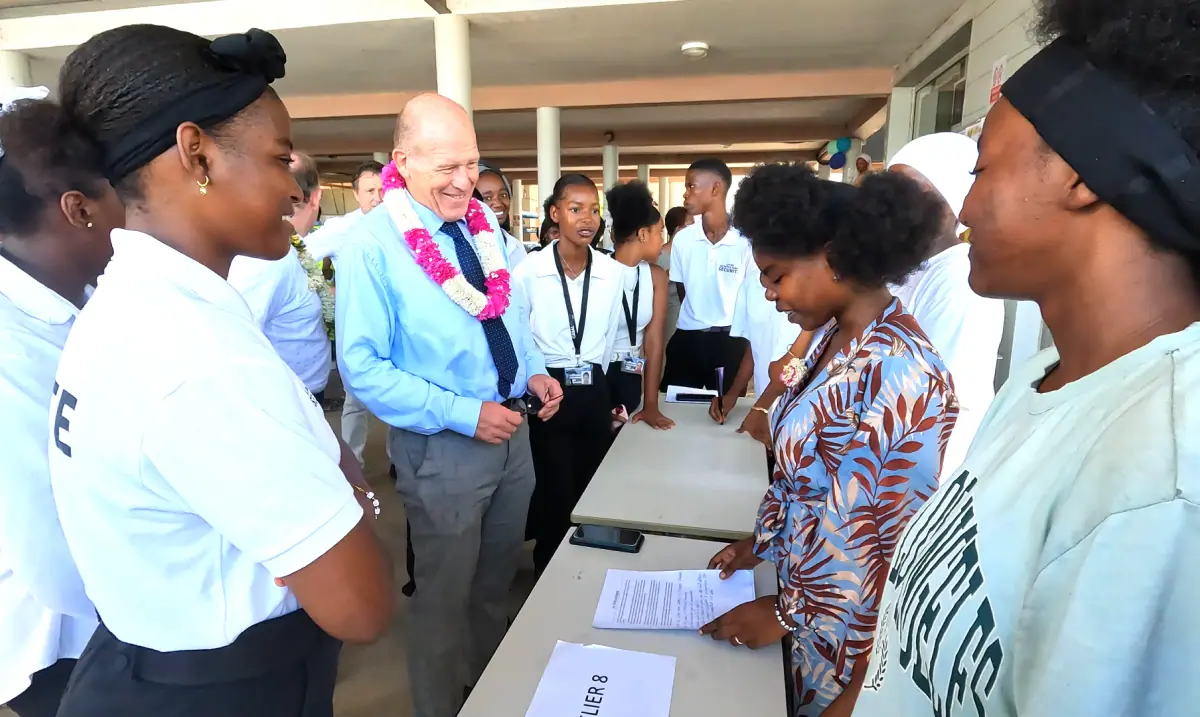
pixel 45 691
pixel 284 667
pixel 693 358
pixel 567 450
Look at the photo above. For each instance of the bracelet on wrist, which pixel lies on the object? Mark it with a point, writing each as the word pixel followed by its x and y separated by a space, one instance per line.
pixel 782 620
pixel 764 411
pixel 370 495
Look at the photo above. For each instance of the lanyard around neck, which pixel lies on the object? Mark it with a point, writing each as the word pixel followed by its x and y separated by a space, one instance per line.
pixel 576 333
pixel 631 317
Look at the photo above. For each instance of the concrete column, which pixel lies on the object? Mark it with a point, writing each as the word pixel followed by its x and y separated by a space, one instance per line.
pixel 664 194
pixel 612 166
pixel 644 174
pixel 382 157
pixel 14 69
pixel 850 172
pixel 515 221
pixel 823 171
pixel 452 50
pixel 899 130
pixel 549 157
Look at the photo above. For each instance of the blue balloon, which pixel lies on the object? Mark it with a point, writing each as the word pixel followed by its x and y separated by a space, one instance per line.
pixel 843 144
pixel 837 161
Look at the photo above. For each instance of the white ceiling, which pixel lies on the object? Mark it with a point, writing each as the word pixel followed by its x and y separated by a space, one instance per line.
pixel 599 43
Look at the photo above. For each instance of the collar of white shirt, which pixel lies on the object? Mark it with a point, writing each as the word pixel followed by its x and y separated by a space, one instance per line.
pixel 144 255
pixel 696 233
pixel 601 269
pixel 32 297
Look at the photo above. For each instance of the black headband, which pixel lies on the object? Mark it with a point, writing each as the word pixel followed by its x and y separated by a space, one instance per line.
pixel 250 61
pixel 1132 158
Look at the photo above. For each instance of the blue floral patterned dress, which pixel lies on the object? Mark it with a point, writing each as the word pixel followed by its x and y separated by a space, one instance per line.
pixel 858 451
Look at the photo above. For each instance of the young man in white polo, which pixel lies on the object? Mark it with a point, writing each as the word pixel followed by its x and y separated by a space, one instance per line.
pixel 709 261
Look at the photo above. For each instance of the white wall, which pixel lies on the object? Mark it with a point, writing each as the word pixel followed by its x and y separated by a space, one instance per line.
pixel 998 28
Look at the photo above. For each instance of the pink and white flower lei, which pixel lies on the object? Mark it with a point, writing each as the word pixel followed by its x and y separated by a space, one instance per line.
pixel 497 280
pixel 792 373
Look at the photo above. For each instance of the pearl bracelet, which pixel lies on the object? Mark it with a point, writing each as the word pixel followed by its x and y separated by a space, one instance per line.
pixel 371 497
pixel 782 622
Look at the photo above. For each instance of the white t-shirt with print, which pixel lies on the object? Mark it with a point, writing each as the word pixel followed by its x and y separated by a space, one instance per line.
pixel 966 329
pixel 1056 574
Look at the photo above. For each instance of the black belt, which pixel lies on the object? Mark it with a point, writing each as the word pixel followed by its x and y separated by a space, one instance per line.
pixel 262 648
pixel 716 330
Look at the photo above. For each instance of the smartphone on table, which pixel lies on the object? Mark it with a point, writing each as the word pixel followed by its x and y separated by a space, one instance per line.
pixel 622 540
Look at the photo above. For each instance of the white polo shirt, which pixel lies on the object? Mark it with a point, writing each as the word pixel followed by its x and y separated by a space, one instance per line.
pixel 538 292
pixel 289 312
pixel 190 464
pixel 711 275
pixel 768 330
pixel 45 613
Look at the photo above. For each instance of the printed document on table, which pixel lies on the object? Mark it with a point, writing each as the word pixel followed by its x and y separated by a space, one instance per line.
pixel 669 600
pixel 599 681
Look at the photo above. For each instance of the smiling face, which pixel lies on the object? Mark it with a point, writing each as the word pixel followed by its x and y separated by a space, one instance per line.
pixel 577 214
pixel 438 156
pixel 495 195
pixel 1019 229
pixel 251 194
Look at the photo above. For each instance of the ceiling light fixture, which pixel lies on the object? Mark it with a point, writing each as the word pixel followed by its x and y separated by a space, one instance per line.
pixel 695 50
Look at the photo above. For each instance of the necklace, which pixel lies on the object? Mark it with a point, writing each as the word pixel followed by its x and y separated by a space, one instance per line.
pixel 483 305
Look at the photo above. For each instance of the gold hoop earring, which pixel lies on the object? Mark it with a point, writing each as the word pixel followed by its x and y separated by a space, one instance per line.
pixel 203 186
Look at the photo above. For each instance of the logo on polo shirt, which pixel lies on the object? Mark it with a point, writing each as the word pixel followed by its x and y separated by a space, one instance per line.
pixel 728 268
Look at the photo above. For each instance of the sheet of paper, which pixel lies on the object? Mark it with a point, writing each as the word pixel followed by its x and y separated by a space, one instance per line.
pixel 599 681
pixel 669 600
pixel 673 393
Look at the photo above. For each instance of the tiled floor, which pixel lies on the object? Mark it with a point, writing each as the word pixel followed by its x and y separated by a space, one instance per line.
pixel 373 681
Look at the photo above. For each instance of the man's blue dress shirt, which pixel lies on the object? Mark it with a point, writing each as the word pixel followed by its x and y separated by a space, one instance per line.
pixel 416 359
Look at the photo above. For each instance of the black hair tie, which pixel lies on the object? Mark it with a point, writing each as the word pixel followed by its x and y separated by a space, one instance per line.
pixel 245 65
pixel 256 52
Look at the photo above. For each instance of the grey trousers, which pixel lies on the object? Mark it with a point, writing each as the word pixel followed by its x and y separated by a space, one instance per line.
pixel 356 421
pixel 466 502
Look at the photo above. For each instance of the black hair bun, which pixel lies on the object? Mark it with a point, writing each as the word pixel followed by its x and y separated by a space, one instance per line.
pixel 632 208
pixel 256 52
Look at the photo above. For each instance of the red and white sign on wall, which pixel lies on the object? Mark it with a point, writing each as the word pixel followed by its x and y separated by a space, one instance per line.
pixel 999 70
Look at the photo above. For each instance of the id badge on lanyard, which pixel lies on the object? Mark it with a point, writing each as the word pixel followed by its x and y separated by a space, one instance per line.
pixel 633 364
pixel 579 374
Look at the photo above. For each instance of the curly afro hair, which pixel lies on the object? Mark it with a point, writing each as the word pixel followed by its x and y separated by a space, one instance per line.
pixel 632 209
pixel 873 235
pixel 45 156
pixel 1152 46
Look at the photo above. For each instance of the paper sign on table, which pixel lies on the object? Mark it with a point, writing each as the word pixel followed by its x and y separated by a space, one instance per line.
pixel 598 681
pixel 669 600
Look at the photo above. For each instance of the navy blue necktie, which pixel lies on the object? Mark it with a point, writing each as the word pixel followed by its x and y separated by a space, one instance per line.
pixel 499 342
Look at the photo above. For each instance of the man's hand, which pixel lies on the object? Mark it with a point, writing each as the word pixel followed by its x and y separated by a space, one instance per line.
pixel 654 418
pixel 720 407
pixel 496 424
pixel 752 624
pixel 735 556
pixel 551 393
pixel 758 427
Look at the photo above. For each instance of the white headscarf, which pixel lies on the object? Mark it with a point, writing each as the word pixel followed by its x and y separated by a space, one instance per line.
pixel 947 160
